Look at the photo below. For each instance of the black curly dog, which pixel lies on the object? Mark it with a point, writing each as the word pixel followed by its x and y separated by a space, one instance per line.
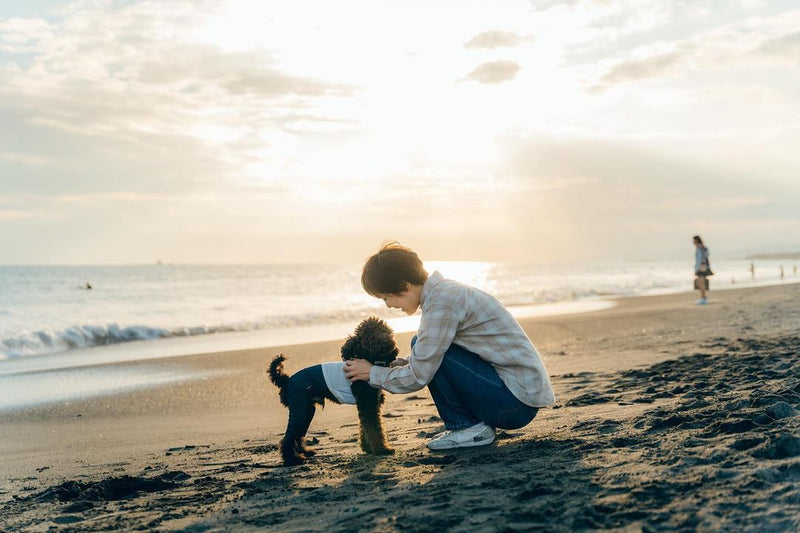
pixel 373 340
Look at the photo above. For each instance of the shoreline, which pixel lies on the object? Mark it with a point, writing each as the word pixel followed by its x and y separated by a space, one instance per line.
pixel 205 338
pixel 38 380
pixel 180 345
pixel 232 417
pixel 93 372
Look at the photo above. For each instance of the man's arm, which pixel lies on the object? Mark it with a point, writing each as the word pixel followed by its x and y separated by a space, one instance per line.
pixel 437 330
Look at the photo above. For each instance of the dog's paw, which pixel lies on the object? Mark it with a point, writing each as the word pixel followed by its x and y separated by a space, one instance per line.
pixel 294 460
pixel 383 451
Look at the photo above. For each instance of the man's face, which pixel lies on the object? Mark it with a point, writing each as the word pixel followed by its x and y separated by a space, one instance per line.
pixel 407 301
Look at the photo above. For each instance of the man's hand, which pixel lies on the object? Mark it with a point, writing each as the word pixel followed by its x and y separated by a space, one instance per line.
pixel 357 370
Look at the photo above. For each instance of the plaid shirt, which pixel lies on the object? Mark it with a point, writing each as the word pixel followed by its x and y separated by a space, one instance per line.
pixel 453 313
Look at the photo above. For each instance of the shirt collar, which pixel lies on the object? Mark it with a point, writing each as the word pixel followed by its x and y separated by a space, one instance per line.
pixel 428 286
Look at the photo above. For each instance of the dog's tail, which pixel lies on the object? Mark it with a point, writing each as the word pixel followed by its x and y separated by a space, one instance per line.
pixel 276 373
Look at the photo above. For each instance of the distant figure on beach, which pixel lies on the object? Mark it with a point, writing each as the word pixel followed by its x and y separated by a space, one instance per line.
pixel 794 270
pixel 752 271
pixel 781 271
pixel 702 269
pixel 480 367
pixel 88 286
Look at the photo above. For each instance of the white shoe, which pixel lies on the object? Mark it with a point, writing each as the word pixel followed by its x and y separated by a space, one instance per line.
pixel 702 301
pixel 478 435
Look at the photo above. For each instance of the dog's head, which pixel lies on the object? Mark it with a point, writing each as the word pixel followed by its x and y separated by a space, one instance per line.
pixel 373 340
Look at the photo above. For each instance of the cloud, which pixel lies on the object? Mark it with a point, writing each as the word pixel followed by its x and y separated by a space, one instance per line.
pixel 650 67
pixel 17 214
pixel 157 124
pixel 143 104
pixel 785 46
pixel 494 72
pixel 496 39
pixel 754 43
pixel 20 35
pixel 642 199
pixel 25 159
pixel 622 16
pixel 648 172
pixel 196 69
pixel 547 4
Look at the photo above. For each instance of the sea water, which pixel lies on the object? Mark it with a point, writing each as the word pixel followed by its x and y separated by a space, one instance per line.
pixel 56 333
pixel 49 309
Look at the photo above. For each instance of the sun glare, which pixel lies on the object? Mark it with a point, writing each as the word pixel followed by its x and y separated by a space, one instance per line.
pixel 439 121
pixel 475 273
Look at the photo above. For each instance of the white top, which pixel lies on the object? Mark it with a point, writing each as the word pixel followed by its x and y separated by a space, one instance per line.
pixel 337 382
pixel 453 313
pixel 700 254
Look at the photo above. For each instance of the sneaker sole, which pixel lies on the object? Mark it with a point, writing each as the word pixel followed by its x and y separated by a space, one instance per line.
pixel 468 444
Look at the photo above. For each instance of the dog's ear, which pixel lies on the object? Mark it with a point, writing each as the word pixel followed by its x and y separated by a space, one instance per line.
pixel 349 348
pixel 378 348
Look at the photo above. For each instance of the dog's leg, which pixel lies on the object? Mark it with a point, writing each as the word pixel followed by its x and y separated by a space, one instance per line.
pixel 374 437
pixel 290 453
pixel 368 401
pixel 301 442
pixel 301 412
pixel 362 438
pixel 304 449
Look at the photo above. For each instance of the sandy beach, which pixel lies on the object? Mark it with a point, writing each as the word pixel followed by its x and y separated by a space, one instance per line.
pixel 669 417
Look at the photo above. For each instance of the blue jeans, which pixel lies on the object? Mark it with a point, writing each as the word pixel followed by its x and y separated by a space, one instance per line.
pixel 467 390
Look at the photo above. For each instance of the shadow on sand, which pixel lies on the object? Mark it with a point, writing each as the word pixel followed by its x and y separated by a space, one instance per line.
pixel 709 441
pixel 520 485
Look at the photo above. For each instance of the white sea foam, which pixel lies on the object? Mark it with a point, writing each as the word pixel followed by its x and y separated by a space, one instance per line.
pixel 43 342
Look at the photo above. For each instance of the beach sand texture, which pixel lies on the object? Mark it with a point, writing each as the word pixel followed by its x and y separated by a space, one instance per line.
pixel 669 417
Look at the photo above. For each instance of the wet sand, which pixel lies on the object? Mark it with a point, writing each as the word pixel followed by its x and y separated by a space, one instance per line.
pixel 669 417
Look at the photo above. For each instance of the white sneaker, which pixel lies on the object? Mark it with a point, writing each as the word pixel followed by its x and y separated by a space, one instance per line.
pixel 478 435
pixel 702 301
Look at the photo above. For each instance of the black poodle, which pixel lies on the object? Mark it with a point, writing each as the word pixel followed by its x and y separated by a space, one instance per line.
pixel 373 340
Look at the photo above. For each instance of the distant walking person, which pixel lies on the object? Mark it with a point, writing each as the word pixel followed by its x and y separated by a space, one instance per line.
pixel 781 272
pixel 702 269
pixel 752 271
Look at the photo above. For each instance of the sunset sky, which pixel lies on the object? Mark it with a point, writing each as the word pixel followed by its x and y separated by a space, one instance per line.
pixel 273 132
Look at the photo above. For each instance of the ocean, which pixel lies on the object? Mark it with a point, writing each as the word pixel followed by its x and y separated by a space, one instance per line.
pixel 56 333
pixel 49 309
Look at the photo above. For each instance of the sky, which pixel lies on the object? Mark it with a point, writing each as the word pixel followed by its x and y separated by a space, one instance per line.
pixel 213 131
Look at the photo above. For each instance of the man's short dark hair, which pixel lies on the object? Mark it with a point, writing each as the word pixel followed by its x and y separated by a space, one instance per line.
pixel 391 270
